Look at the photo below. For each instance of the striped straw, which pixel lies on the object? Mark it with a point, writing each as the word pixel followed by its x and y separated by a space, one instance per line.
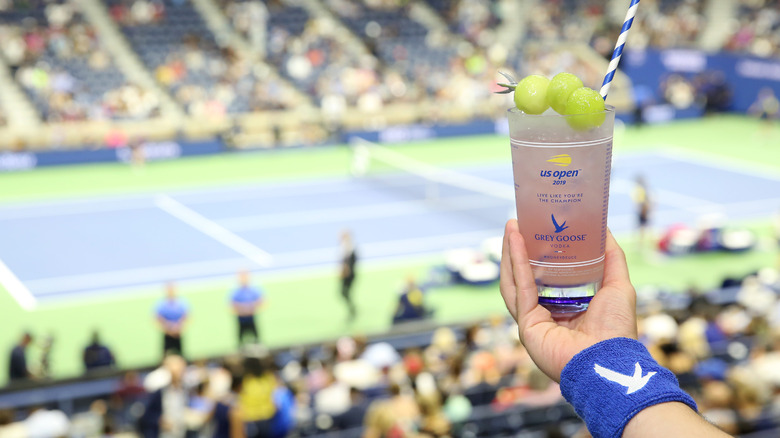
pixel 613 64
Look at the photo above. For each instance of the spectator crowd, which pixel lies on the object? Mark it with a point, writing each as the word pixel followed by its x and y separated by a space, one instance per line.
pixel 360 54
pixel 57 57
pixel 756 29
pixel 723 346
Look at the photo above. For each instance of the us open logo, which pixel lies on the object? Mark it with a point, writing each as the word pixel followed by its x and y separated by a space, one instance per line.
pixel 559 176
pixel 562 160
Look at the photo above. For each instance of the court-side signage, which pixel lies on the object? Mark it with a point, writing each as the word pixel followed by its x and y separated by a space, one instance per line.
pixel 153 151
pixel 743 77
pixel 13 161
pixel 405 133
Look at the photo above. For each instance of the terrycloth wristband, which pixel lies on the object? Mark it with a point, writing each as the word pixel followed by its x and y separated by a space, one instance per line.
pixel 610 382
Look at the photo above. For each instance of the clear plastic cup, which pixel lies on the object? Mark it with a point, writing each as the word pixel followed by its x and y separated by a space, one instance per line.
pixel 561 177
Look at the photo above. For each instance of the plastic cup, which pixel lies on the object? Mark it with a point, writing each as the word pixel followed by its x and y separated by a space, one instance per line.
pixel 561 177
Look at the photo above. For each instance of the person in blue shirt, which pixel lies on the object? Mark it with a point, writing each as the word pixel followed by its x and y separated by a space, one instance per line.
pixel 245 301
pixel 172 313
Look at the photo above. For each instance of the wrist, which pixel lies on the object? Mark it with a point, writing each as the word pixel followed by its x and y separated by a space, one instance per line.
pixel 610 382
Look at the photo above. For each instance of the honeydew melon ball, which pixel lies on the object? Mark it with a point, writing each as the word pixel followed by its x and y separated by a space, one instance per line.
pixel 586 108
pixel 531 94
pixel 561 87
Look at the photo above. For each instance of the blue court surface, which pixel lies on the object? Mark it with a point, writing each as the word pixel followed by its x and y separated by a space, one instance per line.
pixel 111 245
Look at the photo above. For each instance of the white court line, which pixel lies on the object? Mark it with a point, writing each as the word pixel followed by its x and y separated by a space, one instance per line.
pixel 438 243
pixel 321 258
pixel 143 201
pixel 211 282
pixel 80 207
pixel 85 208
pixel 212 229
pixel 360 212
pixel 252 189
pixel 668 197
pixel 273 191
pixel 292 259
pixel 16 288
pixel 158 273
pixel 448 241
pixel 758 204
pixel 195 196
pixel 731 164
pixel 283 190
pixel 706 205
pixel 69 201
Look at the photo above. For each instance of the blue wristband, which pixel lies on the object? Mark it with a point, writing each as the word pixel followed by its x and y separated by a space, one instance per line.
pixel 610 382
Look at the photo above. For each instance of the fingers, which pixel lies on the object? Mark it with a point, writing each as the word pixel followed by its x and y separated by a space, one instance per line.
pixel 616 301
pixel 507 279
pixel 527 298
pixel 615 267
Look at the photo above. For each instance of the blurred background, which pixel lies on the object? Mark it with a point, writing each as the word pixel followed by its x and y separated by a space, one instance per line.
pixel 290 212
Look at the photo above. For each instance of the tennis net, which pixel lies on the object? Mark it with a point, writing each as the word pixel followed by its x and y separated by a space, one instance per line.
pixel 388 167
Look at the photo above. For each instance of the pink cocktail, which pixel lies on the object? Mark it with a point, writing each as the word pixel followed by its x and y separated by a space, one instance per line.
pixel 561 177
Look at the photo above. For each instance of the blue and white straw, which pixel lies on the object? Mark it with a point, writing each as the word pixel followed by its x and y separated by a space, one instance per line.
pixel 621 42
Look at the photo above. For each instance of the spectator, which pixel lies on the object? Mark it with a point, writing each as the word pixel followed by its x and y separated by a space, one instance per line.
pixel 410 303
pixel 353 417
pixel 245 302
pixel 766 107
pixel 129 394
pixel 347 272
pixel 227 416
pixel 92 423
pixel 130 388
pixel 10 428
pixel 46 423
pixel 256 400
pixel 284 420
pixel 755 28
pixel 334 398
pixel 96 355
pixel 392 417
pixel 172 314
pixel 199 409
pixel 164 413
pixel 17 367
pixel 434 422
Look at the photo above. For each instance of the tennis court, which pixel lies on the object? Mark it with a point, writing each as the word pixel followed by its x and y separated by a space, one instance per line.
pixel 262 199
pixel 84 247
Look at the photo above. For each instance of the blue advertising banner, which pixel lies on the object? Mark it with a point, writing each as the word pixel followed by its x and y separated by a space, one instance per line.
pixel 742 77
pixel 153 151
pixel 405 133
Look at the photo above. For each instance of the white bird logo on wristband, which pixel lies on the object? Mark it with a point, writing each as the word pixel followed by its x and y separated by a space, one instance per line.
pixel 633 383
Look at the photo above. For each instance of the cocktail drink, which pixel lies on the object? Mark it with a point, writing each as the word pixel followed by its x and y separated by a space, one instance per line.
pixel 561 167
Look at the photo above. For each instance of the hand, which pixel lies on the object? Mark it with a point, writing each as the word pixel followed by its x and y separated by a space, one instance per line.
pixel 553 340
